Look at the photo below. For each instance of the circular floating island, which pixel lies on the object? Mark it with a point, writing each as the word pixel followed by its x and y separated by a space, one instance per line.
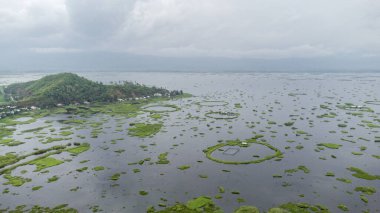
pixel 158 108
pixel 373 102
pixel 212 103
pixel 352 107
pixel 229 146
pixel 222 115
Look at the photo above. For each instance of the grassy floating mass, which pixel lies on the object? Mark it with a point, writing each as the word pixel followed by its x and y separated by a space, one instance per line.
pixel 81 148
pixel 368 190
pixel 171 108
pixel 205 204
pixel 222 115
pixel 16 180
pixel 144 130
pixel 211 149
pixel 45 163
pixel 330 145
pixel 358 173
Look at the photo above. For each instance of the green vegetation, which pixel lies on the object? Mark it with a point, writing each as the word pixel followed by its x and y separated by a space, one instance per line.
pixel 115 176
pixel 16 180
pixel 344 180
pixel 81 148
pixel 184 167
pixel 155 116
pixel 35 188
pixel 362 174
pixel 2 99
pixel 8 159
pixel 299 208
pixel 144 130
pixel 162 158
pixel 343 207
pixel 222 115
pixel 245 143
pixel 68 88
pixel 45 163
pixel 166 108
pixel 330 145
pixel 53 179
pixel 247 209
pixel 205 204
pixel 58 209
pixel 368 190
pixel 98 168
pixel 363 198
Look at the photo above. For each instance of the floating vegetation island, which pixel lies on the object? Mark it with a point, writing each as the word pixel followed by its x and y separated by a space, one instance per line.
pixel 222 115
pixel 244 144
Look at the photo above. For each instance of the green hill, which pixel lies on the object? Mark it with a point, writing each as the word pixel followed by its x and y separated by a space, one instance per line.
pixel 68 88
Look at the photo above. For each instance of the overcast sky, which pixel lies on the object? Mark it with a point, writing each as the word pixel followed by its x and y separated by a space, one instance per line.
pixel 189 34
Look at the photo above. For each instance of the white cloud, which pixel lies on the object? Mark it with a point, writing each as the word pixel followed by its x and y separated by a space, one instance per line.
pixel 209 28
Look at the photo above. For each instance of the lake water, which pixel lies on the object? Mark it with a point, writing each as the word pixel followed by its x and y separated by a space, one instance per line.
pixel 265 101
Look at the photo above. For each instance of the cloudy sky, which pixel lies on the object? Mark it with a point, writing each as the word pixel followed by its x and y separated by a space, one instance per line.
pixel 190 34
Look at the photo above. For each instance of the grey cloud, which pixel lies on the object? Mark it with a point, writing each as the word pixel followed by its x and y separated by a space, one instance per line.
pixel 241 29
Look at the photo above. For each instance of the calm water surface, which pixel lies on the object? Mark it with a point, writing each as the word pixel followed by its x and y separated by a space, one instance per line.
pixel 274 98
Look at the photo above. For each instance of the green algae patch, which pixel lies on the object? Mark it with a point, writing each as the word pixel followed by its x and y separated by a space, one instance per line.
pixel 143 193
pixel 368 190
pixel 358 173
pixel 222 115
pixel 198 203
pixel 115 176
pixel 184 167
pixel 304 169
pixel 36 129
pixel 144 130
pixel 10 142
pixel 8 159
pixel 243 144
pixel 98 168
pixel 44 163
pixel 247 209
pixel 66 133
pixel 35 188
pixel 330 145
pixel 363 198
pixel 343 207
pixel 16 180
pixel 53 179
pixel 155 116
pixel 301 167
pixel 81 148
pixel 162 158
pixel 206 204
pixel 63 208
pixel 344 180
pixel 299 208
pixel 164 108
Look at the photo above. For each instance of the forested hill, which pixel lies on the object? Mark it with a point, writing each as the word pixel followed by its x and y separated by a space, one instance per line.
pixel 69 88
